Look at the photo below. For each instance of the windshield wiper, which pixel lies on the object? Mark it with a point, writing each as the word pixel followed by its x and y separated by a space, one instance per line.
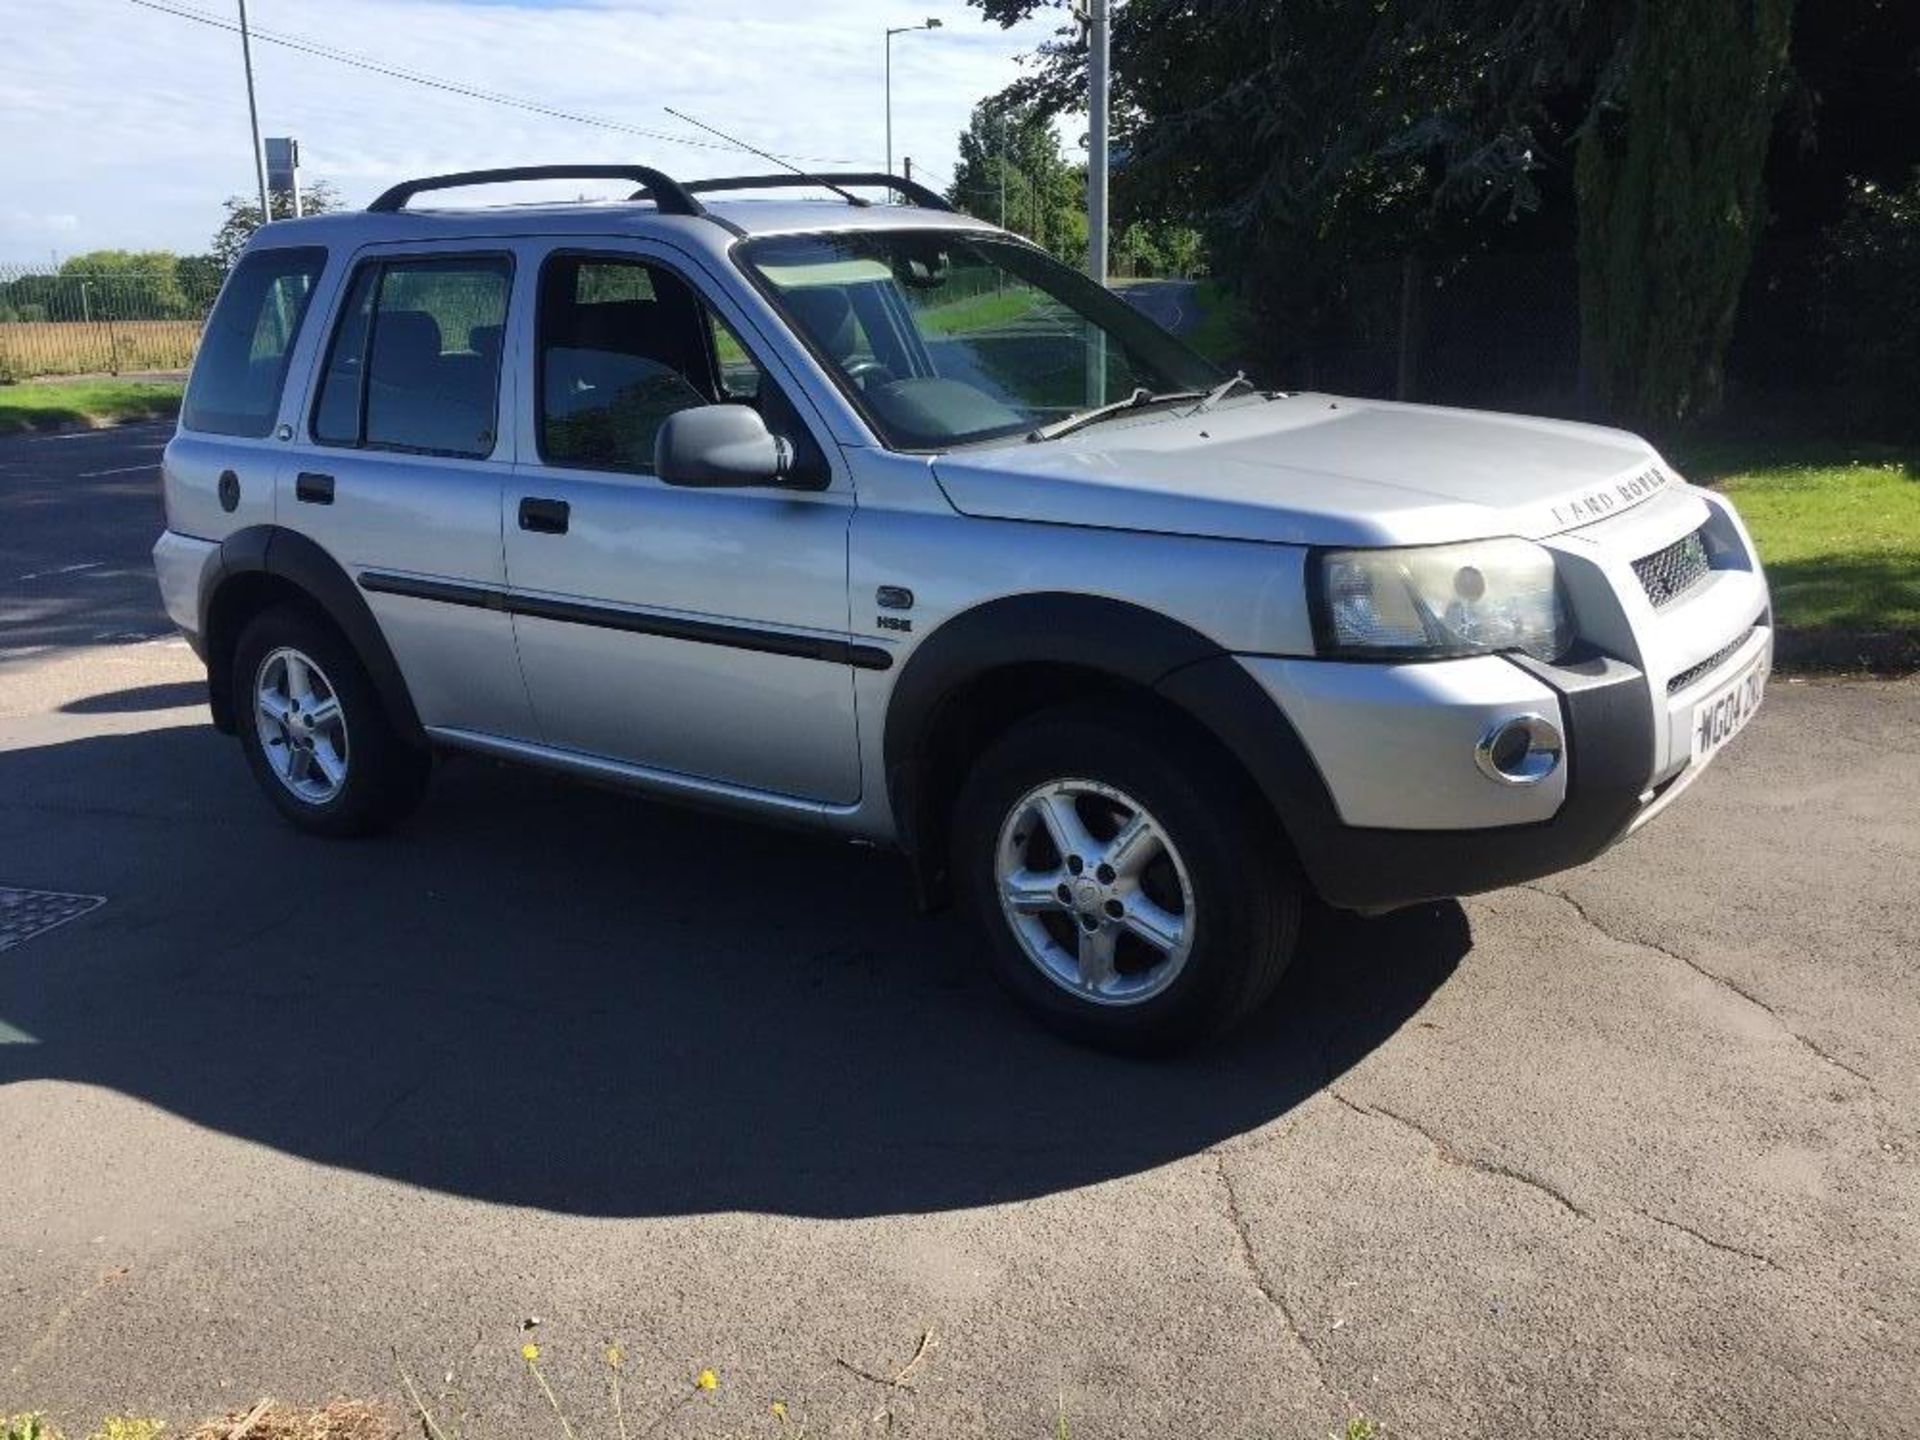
pixel 1137 400
pixel 1220 392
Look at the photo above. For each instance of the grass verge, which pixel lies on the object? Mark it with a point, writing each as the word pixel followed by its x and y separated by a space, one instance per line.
pixel 1838 528
pixel 85 402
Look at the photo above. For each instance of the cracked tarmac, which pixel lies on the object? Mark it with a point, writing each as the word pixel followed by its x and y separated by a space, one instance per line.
pixel 1629 1152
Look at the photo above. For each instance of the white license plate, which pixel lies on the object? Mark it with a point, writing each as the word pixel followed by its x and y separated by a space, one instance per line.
pixel 1723 714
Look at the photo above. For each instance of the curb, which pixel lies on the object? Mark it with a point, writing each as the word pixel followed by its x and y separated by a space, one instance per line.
pixel 1835 649
pixel 68 427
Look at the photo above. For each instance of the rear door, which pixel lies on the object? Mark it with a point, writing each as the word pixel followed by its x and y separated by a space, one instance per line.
pixel 403 456
pixel 221 466
pixel 697 632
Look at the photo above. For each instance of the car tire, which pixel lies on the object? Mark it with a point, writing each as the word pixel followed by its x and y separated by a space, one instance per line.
pixel 1186 874
pixel 331 761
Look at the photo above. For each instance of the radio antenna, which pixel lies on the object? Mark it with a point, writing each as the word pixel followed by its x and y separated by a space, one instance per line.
pixel 845 195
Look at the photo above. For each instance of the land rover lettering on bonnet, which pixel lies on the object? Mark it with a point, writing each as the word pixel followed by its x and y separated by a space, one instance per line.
pixel 874 518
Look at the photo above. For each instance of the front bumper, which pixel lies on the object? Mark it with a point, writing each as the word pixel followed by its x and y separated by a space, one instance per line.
pixel 1504 835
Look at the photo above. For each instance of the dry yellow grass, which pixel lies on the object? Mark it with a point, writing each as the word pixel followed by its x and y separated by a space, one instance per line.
pixel 341 1420
pixel 73 347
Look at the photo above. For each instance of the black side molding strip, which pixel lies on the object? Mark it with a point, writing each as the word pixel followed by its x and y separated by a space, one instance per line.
pixel 605 617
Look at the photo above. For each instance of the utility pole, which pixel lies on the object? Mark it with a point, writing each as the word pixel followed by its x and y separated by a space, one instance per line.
pixel 253 116
pixel 1097 87
pixel 1002 168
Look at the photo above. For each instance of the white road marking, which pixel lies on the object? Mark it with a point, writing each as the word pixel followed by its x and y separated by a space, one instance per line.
pixel 59 570
pixel 119 470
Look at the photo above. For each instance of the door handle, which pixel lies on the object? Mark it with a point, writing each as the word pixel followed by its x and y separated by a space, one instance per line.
pixel 544 517
pixel 314 488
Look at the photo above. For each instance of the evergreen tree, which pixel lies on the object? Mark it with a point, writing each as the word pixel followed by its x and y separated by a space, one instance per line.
pixel 1669 183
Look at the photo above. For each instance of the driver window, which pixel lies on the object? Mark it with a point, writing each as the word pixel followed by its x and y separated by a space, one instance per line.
pixel 621 346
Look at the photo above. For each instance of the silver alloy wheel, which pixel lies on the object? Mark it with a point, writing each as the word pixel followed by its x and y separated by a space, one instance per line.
pixel 303 731
pixel 1095 892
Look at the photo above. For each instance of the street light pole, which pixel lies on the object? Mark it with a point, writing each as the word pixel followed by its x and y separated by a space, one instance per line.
pixel 253 115
pixel 1097 86
pixel 931 23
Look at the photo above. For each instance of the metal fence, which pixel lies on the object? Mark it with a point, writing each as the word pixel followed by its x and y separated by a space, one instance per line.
pixel 64 323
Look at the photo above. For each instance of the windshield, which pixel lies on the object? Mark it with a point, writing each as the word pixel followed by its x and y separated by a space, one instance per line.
pixel 944 338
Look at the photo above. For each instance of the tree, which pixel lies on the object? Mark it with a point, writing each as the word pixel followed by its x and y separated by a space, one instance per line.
pixel 1869 307
pixel 1670 200
pixel 200 277
pixel 1009 152
pixel 1306 136
pixel 243 217
pixel 129 284
pixel 1309 137
pixel 1851 115
pixel 1146 247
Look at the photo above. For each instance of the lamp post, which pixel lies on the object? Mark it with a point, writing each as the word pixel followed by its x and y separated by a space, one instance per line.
pixel 931 23
pixel 1097 158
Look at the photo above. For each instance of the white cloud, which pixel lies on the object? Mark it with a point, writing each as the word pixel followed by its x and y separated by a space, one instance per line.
pixel 31 224
pixel 128 127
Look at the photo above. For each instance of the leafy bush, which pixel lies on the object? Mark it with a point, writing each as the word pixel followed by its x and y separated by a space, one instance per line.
pixel 1869 307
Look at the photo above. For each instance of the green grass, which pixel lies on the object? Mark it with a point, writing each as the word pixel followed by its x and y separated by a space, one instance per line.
pixel 980 312
pixel 45 407
pixel 1838 528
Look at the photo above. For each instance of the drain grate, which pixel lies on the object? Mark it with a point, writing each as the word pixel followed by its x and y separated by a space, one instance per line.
pixel 27 913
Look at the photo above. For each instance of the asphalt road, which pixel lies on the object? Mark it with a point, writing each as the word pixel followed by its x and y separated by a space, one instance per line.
pixel 1633 1152
pixel 1169 303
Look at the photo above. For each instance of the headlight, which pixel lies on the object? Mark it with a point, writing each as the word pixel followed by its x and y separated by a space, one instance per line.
pixel 1441 600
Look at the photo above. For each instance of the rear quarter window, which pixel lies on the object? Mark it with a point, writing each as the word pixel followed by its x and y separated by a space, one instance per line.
pixel 242 365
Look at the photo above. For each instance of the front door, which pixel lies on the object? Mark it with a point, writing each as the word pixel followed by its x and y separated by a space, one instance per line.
pixel 696 632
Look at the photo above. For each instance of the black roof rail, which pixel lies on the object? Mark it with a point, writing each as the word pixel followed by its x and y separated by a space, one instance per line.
pixel 911 189
pixel 667 194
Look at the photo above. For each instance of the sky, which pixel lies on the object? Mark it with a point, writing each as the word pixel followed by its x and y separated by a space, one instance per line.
pixel 122 127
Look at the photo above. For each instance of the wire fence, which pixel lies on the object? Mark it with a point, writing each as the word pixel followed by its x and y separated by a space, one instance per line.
pixel 62 323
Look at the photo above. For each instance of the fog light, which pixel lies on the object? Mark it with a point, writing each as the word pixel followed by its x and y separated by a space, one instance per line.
pixel 1521 750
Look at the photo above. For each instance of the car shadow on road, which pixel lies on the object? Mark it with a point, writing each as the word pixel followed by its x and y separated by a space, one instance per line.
pixel 540 994
pixel 174 695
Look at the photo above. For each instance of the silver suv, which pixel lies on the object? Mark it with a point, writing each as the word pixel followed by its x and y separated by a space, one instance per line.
pixel 875 518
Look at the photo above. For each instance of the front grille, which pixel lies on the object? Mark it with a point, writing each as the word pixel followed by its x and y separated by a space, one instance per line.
pixel 1668 574
pixel 1712 662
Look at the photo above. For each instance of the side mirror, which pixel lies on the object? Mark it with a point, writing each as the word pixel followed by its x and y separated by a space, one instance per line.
pixel 720 445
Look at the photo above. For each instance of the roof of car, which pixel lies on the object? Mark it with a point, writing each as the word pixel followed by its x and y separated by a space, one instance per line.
pixel 723 221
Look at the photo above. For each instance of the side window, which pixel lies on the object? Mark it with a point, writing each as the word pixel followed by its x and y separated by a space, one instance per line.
pixel 242 365
pixel 622 345
pixel 415 359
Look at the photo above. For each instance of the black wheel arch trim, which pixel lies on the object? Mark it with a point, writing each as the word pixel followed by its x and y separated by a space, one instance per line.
pixel 1114 638
pixel 289 556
